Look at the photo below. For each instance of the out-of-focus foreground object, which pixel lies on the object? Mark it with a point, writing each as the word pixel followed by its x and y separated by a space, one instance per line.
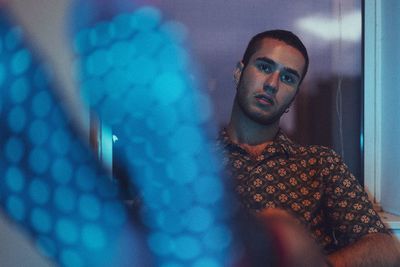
pixel 52 185
pixel 135 72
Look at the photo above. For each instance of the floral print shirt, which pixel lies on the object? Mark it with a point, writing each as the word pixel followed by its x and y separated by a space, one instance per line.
pixel 311 182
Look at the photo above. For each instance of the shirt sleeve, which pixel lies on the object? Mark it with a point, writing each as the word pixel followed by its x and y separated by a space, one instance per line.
pixel 348 209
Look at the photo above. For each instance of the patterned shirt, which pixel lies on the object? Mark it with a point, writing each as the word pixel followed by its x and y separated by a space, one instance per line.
pixel 311 182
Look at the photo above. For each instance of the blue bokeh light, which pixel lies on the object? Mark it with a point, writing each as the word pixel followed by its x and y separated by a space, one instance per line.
pixel 122 53
pixel 61 170
pixel 209 190
pixel 67 231
pixel 60 142
pixel 116 83
pixel 2 74
pixel 160 243
pixel 85 178
pixel 175 31
pixel 187 139
pixel 172 264
pixel 181 198
pixel 38 132
pixel 71 258
pixel 65 199
pixel 93 237
pixel 17 119
pixel 105 190
pixel 109 112
pixel 162 119
pixel 89 207
pixel 218 238
pixel 142 71
pixel 122 25
pixel 146 18
pixel 14 149
pixel 15 207
pixel 187 247
pixel 170 221
pixel 98 63
pixel 41 78
pixel 19 89
pixel 167 88
pixel 20 62
pixel 39 191
pixel 148 43
pixel 172 58
pixel 182 169
pixel 39 160
pixel 114 214
pixel 92 88
pixel 206 262
pixel 41 104
pixel 137 97
pixel 41 220
pixel 101 34
pixel 15 179
pixel 198 219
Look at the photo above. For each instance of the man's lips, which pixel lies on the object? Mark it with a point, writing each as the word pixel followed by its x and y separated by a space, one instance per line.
pixel 265 99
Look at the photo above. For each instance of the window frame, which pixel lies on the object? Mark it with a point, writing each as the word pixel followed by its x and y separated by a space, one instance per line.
pixel 372 134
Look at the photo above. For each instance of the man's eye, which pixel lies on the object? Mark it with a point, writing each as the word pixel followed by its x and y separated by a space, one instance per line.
pixel 289 78
pixel 265 67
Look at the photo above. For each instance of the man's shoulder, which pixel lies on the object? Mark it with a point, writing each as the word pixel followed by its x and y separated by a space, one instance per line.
pixel 302 149
pixel 317 150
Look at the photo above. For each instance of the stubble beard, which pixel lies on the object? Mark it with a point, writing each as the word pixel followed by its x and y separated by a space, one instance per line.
pixel 258 116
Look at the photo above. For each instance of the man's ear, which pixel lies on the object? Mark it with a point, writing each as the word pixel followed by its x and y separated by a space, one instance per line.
pixel 238 72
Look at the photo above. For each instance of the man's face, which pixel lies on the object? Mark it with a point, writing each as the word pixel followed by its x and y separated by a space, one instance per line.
pixel 268 83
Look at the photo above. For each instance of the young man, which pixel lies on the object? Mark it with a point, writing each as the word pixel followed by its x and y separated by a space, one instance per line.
pixel 309 183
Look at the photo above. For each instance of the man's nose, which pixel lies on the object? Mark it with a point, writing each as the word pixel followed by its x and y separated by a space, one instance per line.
pixel 272 83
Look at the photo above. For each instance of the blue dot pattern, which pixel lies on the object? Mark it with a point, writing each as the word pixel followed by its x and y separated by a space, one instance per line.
pixel 51 184
pixel 136 74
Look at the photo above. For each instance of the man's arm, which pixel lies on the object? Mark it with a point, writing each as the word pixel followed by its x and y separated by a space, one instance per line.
pixel 296 247
pixel 375 250
pixel 357 227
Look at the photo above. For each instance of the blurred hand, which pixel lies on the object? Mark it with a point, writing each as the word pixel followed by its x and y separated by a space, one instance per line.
pixel 294 244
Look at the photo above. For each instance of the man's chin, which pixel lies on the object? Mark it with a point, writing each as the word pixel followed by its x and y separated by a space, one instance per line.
pixel 260 116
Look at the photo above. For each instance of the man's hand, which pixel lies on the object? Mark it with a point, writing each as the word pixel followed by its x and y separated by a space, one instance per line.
pixel 297 247
pixel 373 250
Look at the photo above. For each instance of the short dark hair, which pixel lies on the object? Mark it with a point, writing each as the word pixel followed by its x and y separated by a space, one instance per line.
pixel 285 36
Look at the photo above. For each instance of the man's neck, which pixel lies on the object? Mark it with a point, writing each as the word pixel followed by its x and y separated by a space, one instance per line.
pixel 250 135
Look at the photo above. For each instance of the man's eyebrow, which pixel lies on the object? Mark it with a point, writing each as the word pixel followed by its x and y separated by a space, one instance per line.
pixel 267 60
pixel 292 71
pixel 270 61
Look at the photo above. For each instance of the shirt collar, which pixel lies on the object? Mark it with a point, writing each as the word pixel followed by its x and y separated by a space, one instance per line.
pixel 281 145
